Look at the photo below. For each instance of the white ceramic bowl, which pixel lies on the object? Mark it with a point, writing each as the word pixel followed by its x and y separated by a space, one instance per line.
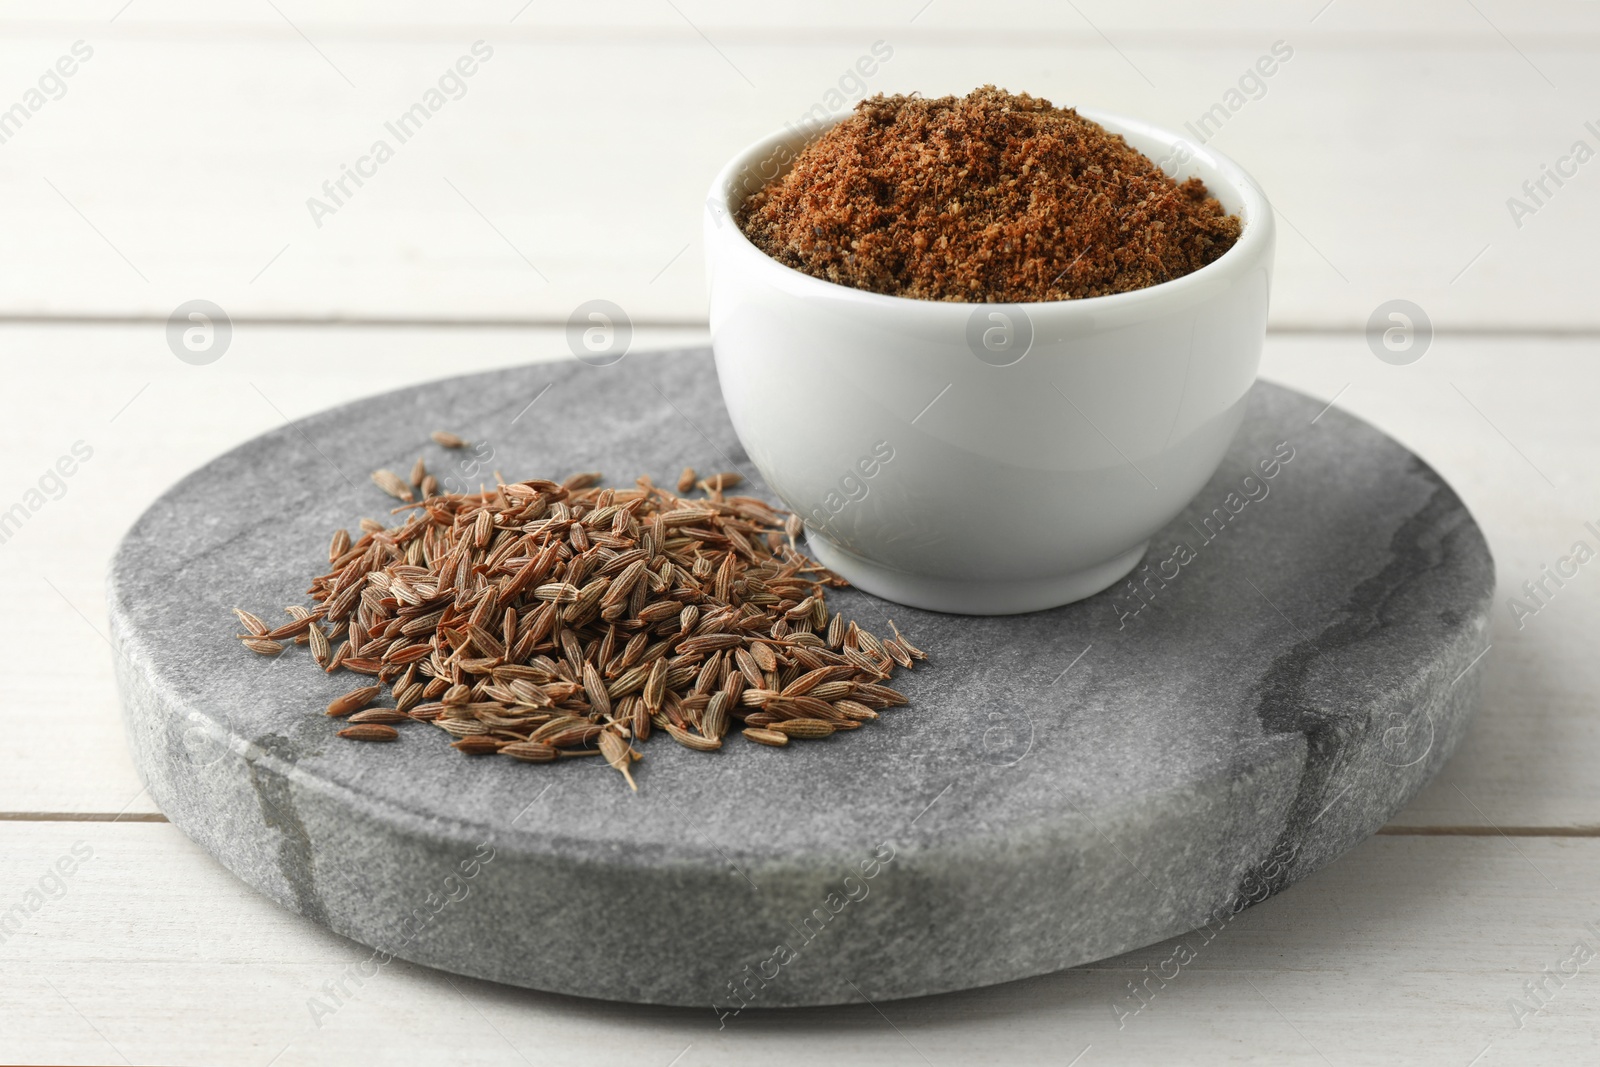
pixel 946 458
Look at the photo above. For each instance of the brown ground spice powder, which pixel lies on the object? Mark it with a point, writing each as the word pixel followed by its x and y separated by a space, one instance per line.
pixel 991 197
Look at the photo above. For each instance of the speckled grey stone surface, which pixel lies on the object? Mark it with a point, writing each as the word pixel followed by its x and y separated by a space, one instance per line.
pixel 1067 785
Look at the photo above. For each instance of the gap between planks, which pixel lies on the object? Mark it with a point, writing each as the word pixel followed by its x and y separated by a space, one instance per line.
pixel 1288 329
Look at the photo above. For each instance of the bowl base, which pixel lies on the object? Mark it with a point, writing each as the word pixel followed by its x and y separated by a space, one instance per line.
pixel 965 597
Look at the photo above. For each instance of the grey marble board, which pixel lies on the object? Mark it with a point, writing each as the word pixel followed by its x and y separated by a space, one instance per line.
pixel 1066 786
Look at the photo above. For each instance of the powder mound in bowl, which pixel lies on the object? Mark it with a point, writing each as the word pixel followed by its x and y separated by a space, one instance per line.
pixel 987 198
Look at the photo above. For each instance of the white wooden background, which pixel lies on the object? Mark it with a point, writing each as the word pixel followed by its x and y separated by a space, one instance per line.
pixel 177 165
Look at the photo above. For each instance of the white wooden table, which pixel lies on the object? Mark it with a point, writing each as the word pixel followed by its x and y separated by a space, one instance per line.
pixel 175 163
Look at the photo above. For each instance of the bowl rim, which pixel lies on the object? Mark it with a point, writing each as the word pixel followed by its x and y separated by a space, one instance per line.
pixel 1255 239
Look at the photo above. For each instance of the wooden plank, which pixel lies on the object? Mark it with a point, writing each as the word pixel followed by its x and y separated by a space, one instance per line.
pixel 374 18
pixel 1406 950
pixel 180 161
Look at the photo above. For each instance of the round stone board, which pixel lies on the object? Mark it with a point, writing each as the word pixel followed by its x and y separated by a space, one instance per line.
pixel 1065 786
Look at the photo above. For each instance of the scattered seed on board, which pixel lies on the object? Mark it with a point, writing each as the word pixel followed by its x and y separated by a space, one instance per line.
pixel 531 751
pixel 916 653
pixel 619 754
pixel 370 731
pixel 809 729
pixel 694 741
pixel 898 652
pixel 766 737
pixel 320 649
pixel 354 700
pixel 446 439
pixel 256 627
pixel 382 715
pixel 546 620
pixel 294 630
pixel 856 711
pixel 391 483
pixel 714 720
